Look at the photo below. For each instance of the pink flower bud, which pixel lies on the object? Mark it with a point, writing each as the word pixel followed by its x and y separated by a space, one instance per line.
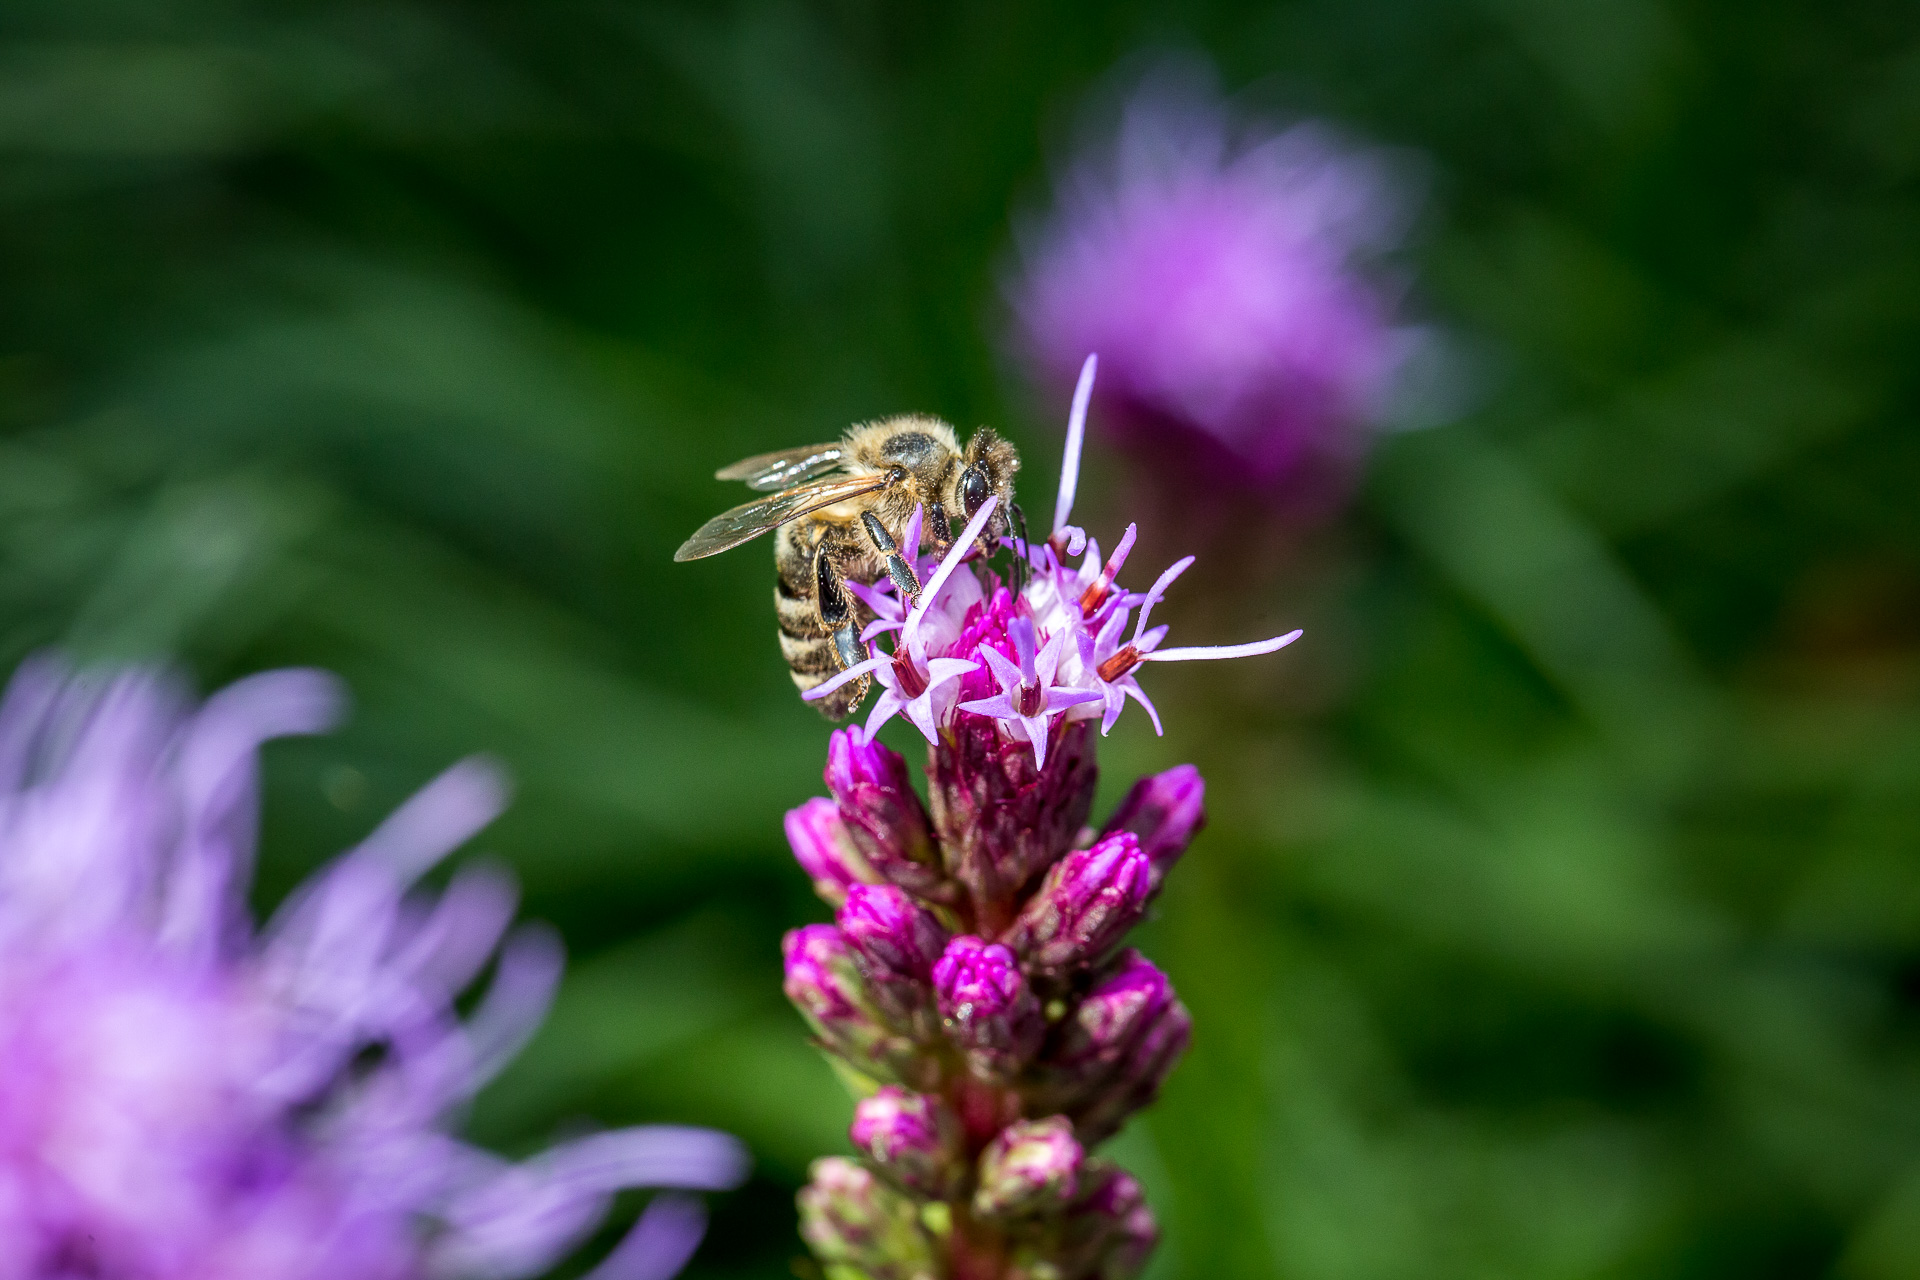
pixel 1136 1082
pixel 1109 1231
pixel 1030 1167
pixel 1109 1056
pixel 825 850
pixel 1085 906
pixel 911 1136
pixel 882 813
pixel 1165 811
pixel 853 1219
pixel 823 981
pixel 895 942
pixel 985 1004
pixel 891 933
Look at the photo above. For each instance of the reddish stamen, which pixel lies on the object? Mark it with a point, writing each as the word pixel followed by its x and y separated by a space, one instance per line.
pixel 912 683
pixel 1096 593
pixel 1029 700
pixel 1124 659
pixel 1101 587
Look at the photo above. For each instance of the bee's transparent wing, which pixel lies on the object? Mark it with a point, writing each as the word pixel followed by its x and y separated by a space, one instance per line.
pixel 769 471
pixel 731 528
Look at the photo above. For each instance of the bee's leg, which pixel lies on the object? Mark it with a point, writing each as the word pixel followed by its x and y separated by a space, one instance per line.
pixel 940 529
pixel 897 568
pixel 1021 564
pixel 836 610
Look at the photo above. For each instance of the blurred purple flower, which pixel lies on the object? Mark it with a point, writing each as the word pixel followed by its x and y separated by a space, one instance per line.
pixel 187 1099
pixel 1222 275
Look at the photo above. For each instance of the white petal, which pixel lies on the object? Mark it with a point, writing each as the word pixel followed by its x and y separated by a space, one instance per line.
pixel 1048 662
pixel 1207 653
pixel 1036 727
pixel 1134 691
pixel 1158 591
pixel 1076 437
pixel 952 559
pixel 920 711
pixel 1003 667
pixel 852 673
pixel 941 670
pixel 885 708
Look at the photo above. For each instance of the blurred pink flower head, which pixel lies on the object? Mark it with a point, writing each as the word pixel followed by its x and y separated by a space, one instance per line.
pixel 1224 277
pixel 185 1098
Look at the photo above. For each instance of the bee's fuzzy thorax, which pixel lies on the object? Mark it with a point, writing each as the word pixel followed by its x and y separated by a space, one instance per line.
pixel 865 441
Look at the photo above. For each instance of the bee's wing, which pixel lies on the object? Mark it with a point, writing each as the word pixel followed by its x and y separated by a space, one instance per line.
pixel 769 471
pixel 731 528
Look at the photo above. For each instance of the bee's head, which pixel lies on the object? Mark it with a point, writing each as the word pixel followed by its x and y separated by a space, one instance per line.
pixel 987 470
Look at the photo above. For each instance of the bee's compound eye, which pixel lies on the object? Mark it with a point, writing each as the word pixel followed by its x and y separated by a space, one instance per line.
pixel 973 489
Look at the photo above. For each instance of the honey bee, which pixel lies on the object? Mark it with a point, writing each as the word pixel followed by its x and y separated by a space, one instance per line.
pixel 840 512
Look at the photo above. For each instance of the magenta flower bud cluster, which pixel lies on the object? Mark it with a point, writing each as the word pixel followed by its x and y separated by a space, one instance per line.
pixel 995 1039
pixel 975 989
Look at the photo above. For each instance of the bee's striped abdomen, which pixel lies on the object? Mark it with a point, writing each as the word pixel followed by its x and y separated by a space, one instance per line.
pixel 806 642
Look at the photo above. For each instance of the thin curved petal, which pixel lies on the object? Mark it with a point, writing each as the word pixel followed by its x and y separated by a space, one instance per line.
pixel 910 536
pixel 1158 591
pixel 1208 653
pixel 999 707
pixel 1133 690
pixel 851 674
pixel 1003 668
pixel 941 670
pixel 885 708
pixel 1076 439
pixel 951 561
pixel 660 1244
pixel 879 597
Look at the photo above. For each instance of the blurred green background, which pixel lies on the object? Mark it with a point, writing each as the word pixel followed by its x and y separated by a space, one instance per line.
pixel 1560 915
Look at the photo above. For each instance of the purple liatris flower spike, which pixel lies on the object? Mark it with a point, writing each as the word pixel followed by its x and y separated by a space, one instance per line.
pixel 972 989
pixel 187 1098
pixel 1227 275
